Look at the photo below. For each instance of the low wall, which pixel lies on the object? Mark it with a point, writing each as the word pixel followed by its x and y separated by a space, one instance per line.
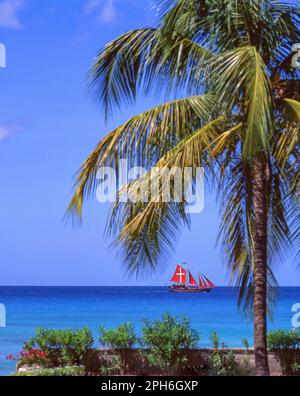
pixel 196 358
pixel 197 362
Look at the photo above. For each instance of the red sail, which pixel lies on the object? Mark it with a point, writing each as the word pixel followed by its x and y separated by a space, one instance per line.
pixel 192 280
pixel 179 275
pixel 201 285
pixel 204 281
pixel 209 282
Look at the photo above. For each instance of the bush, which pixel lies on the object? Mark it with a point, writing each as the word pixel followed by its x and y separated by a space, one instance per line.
pixel 215 340
pixel 286 346
pixel 72 371
pixel 120 339
pixel 123 337
pixel 295 368
pixel 222 363
pixel 167 340
pixel 284 339
pixel 112 365
pixel 63 347
pixel 30 357
pixel 245 344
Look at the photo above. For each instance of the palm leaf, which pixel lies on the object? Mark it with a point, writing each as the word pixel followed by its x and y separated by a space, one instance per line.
pixel 147 231
pixel 120 66
pixel 295 106
pixel 238 55
pixel 242 84
pixel 144 59
pixel 143 140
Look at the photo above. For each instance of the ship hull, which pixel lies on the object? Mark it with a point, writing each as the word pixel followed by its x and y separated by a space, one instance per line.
pixel 189 290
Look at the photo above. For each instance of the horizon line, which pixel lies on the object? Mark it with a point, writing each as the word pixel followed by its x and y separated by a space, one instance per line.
pixel 122 286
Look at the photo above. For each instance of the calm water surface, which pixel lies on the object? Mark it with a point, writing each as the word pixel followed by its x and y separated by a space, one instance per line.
pixel 60 307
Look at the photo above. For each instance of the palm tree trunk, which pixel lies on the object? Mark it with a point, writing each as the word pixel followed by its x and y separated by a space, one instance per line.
pixel 260 266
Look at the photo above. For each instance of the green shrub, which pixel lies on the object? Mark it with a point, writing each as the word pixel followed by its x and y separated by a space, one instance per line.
pixel 167 340
pixel 30 357
pixel 123 337
pixel 295 368
pixel 63 347
pixel 245 343
pixel 112 366
pixel 286 346
pixel 284 339
pixel 72 371
pixel 120 339
pixel 215 340
pixel 223 364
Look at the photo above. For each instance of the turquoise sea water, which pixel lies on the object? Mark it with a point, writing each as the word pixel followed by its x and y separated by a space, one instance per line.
pixel 60 307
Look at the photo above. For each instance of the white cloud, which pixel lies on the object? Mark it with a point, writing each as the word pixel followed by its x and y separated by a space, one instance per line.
pixel 104 10
pixel 9 13
pixel 108 12
pixel 10 128
pixel 91 6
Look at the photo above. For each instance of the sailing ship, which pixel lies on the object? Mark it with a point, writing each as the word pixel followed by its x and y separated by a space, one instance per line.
pixel 184 282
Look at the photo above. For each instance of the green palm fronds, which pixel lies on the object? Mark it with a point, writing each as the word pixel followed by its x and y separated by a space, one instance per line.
pixel 232 62
pixel 295 106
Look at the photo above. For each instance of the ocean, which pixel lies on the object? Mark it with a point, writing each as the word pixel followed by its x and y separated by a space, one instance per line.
pixel 59 307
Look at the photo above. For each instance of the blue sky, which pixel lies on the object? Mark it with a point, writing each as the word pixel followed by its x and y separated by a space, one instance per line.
pixel 48 125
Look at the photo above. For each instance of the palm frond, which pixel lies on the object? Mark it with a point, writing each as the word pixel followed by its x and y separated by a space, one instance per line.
pixel 287 129
pixel 239 55
pixel 295 106
pixel 147 230
pixel 121 65
pixel 142 140
pixel 237 227
pixel 145 59
pixel 243 85
pixel 181 66
pixel 149 234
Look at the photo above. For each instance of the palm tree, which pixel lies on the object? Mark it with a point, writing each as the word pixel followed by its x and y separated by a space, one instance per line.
pixel 232 106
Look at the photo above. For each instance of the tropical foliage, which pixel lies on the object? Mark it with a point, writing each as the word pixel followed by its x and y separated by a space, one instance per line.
pixel 233 107
pixel 120 339
pixel 286 346
pixel 123 337
pixel 165 346
pixel 167 340
pixel 30 356
pixel 241 86
pixel 284 339
pixel 71 371
pixel 65 346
